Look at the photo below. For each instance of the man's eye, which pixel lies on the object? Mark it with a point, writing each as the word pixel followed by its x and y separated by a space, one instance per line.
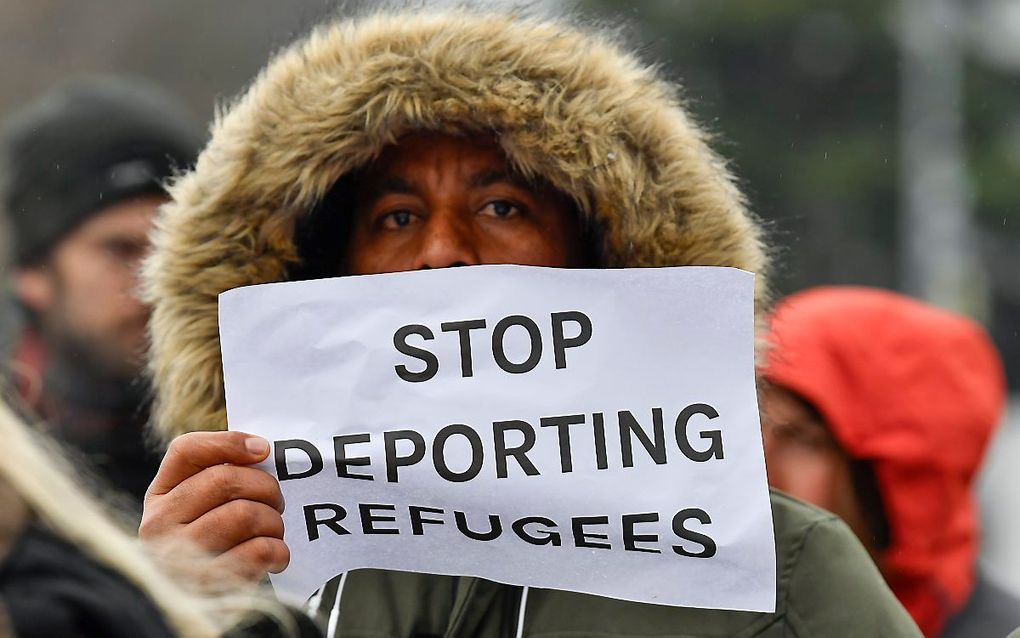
pixel 397 219
pixel 124 250
pixel 501 208
pixel 815 439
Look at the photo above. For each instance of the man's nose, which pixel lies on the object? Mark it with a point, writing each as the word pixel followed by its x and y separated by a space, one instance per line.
pixel 447 240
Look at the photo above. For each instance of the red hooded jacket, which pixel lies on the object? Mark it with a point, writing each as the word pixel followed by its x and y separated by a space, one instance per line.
pixel 916 391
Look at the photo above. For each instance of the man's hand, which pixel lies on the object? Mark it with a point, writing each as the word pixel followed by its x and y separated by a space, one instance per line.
pixel 204 493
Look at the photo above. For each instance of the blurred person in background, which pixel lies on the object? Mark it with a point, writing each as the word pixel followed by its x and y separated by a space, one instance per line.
pixel 879 408
pixel 70 567
pixel 83 169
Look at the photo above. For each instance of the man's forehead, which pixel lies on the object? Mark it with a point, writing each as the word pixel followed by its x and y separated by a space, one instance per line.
pixel 477 159
pixel 133 214
pixel 412 147
pixel 478 179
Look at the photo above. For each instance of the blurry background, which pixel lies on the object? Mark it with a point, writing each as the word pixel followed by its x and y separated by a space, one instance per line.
pixel 879 139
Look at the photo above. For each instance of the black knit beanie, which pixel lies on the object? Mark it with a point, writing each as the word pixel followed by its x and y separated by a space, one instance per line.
pixel 86 145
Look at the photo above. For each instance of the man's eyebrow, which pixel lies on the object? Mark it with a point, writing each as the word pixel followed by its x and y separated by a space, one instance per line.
pixel 385 186
pixel 488 178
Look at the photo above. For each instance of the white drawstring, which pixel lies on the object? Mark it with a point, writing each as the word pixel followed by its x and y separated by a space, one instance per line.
pixel 312 606
pixel 334 614
pixel 520 612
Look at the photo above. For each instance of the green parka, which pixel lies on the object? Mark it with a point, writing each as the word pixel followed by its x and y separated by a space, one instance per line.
pixel 827 587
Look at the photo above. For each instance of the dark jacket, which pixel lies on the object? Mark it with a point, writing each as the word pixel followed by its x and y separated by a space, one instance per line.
pixel 49 587
pixel 990 611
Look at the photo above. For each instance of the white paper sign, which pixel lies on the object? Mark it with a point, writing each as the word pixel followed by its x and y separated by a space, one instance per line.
pixel 587 430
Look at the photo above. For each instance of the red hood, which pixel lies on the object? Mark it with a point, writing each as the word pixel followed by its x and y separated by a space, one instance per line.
pixel 917 391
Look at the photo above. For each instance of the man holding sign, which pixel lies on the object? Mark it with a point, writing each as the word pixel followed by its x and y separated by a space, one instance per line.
pixel 579 431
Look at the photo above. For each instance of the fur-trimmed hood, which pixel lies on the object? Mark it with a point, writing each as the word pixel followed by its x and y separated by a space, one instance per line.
pixel 567 104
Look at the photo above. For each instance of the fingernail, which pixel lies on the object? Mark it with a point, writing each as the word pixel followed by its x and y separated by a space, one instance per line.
pixel 256 445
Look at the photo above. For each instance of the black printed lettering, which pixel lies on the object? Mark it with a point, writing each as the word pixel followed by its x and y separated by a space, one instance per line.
pixel 313 522
pixel 393 460
pixel 583 538
pixel 495 527
pixel 463 329
pixel 283 471
pixel 599 431
pixel 629 427
pixel 561 343
pixel 369 519
pixel 431 362
pixel 630 539
pixel 343 461
pixel 708 545
pixel 520 452
pixel 498 345
pixel 439 450
pixel 418 522
pixel 562 425
pixel 545 536
pixel 714 450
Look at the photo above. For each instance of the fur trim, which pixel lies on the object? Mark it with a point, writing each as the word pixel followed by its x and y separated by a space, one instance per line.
pixel 567 105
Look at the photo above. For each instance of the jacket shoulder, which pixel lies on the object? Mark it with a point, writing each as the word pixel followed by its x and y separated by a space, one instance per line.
pixel 827 584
